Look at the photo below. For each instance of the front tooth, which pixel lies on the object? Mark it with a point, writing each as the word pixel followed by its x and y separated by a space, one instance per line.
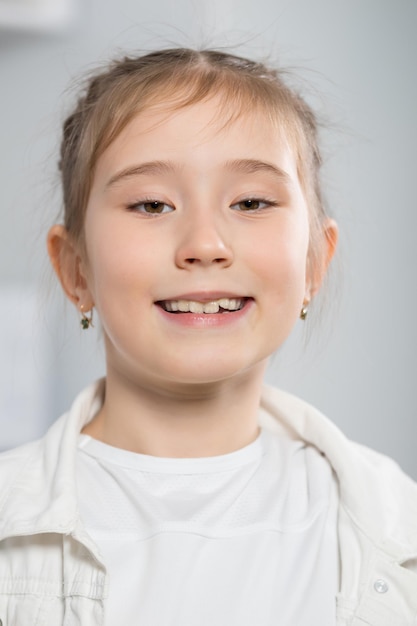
pixel 196 307
pixel 211 307
pixel 183 306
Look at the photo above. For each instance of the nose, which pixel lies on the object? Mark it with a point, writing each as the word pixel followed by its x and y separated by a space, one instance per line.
pixel 202 244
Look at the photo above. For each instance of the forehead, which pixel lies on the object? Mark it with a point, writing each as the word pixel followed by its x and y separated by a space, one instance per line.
pixel 206 133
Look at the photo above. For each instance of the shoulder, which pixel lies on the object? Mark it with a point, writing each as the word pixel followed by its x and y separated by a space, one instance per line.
pixel 38 480
pixel 374 491
pixel 301 420
pixel 27 468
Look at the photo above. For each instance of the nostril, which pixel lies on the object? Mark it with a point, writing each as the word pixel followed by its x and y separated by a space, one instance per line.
pixel 193 260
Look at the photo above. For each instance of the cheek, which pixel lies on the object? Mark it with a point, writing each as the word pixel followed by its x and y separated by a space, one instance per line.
pixel 280 262
pixel 116 259
pixel 113 244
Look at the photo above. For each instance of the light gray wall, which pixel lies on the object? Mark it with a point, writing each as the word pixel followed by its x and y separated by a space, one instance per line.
pixel 361 59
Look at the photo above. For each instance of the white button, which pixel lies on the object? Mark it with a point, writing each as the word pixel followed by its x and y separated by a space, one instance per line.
pixel 381 586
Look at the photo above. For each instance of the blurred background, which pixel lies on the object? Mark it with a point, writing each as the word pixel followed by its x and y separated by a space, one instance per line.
pixel 356 63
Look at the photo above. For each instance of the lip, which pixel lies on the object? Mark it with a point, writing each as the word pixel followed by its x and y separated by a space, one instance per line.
pixel 205 320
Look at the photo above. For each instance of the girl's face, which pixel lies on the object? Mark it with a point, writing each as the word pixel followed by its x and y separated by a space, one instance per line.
pixel 197 238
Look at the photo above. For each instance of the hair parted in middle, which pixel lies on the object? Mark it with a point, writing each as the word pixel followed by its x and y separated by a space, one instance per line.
pixel 173 79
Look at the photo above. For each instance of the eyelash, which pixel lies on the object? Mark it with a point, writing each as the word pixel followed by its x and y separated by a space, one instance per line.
pixel 248 209
pixel 142 203
pixel 251 209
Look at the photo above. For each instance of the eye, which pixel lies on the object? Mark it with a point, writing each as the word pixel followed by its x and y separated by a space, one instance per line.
pixel 251 204
pixel 151 207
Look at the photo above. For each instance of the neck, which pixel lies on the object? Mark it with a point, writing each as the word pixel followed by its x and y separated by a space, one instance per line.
pixel 185 421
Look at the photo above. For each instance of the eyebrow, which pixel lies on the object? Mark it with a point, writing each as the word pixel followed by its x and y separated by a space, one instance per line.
pixel 151 167
pixel 252 166
pixel 244 166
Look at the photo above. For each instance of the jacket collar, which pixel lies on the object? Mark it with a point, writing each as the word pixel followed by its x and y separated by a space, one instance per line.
pixel 39 491
pixel 374 491
pixel 41 495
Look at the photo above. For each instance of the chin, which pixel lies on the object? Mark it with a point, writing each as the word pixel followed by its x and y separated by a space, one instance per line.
pixel 215 373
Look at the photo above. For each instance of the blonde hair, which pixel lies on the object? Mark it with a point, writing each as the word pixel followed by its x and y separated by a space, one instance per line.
pixel 179 78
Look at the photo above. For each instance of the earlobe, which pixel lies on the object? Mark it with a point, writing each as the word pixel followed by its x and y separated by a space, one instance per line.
pixel 68 264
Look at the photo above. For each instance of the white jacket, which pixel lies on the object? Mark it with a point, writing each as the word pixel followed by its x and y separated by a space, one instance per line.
pixel 51 572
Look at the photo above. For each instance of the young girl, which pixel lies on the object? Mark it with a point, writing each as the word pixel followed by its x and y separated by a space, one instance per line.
pixel 179 491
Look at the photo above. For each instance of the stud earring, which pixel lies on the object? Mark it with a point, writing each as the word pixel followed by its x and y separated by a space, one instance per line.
pixel 86 321
pixel 304 311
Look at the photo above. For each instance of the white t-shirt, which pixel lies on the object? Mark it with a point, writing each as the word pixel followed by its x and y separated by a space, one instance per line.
pixel 243 539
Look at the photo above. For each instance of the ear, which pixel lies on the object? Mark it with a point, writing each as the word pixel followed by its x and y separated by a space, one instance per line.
pixel 69 266
pixel 316 270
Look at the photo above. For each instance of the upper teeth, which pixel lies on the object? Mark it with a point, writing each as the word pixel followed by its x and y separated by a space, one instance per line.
pixel 191 306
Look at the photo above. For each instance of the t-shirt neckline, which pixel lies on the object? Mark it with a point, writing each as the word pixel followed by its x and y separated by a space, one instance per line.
pixel 250 453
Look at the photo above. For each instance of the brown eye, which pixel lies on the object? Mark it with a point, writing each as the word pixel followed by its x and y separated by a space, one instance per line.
pixel 151 207
pixel 247 205
pixel 251 204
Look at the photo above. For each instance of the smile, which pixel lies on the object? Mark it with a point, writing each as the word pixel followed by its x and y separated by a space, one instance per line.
pixel 222 305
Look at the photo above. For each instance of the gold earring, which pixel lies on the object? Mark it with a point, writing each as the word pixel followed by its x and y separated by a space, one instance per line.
pixel 304 311
pixel 86 321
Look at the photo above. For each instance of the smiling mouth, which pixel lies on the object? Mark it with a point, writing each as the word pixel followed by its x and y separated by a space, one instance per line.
pixel 222 305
